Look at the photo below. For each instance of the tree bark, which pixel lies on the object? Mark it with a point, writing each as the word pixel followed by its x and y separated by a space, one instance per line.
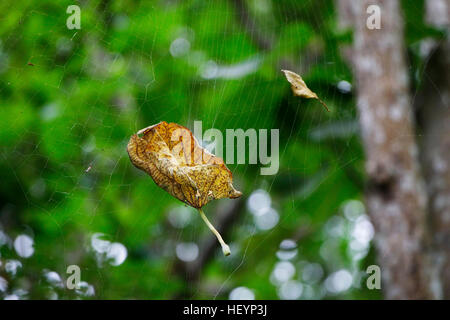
pixel 433 103
pixel 395 197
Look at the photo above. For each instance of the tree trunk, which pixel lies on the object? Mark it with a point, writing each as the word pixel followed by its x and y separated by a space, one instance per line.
pixel 395 197
pixel 433 103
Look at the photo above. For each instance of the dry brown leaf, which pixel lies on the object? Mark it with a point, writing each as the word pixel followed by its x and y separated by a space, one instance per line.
pixel 171 155
pixel 299 87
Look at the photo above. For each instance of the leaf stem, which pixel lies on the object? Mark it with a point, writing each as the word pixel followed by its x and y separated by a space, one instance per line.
pixel 323 103
pixel 225 248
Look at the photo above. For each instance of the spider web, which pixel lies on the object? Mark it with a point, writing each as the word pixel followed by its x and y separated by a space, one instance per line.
pixel 77 97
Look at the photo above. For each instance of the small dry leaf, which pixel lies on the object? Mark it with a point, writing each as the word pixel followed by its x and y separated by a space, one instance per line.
pixel 171 155
pixel 299 87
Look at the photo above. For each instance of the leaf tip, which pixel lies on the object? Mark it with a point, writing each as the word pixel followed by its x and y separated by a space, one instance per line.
pixel 235 193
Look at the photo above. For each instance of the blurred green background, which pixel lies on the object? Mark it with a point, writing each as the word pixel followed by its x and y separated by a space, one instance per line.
pixel 69 195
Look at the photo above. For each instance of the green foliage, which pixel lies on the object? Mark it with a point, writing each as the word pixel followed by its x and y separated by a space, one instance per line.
pixel 70 100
